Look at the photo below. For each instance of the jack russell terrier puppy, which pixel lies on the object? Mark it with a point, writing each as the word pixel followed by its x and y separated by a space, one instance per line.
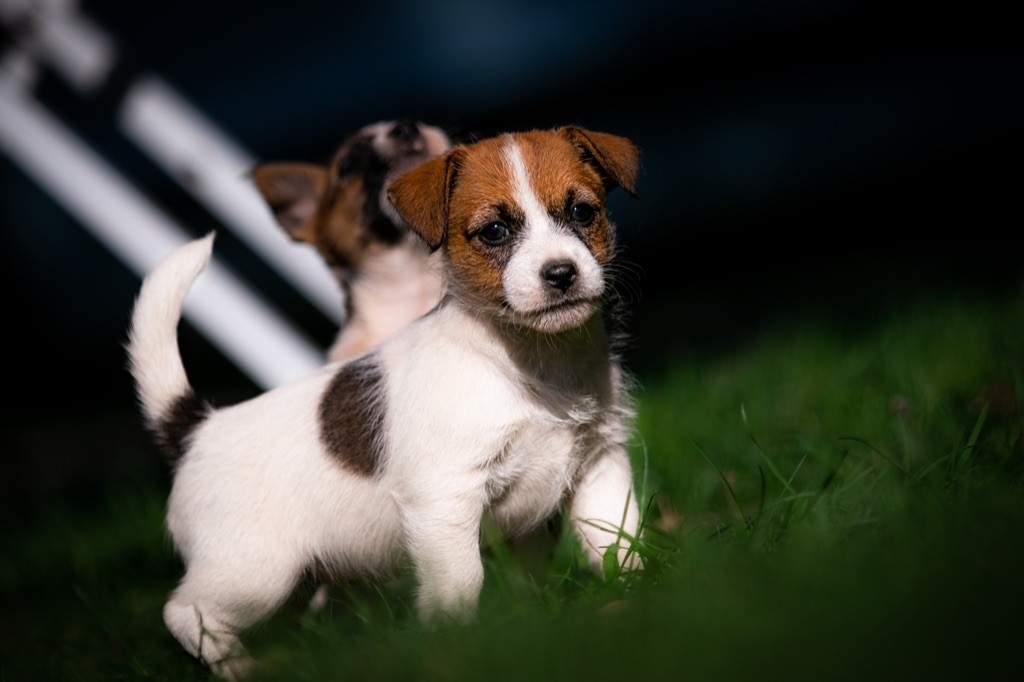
pixel 387 275
pixel 507 400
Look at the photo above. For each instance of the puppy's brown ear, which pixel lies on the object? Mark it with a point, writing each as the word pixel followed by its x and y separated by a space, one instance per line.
pixel 617 158
pixel 293 191
pixel 420 196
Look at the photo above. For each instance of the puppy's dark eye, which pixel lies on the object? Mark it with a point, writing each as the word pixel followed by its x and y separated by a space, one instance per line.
pixel 494 234
pixel 582 214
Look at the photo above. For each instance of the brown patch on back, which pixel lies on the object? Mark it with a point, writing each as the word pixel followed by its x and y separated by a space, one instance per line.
pixel 352 416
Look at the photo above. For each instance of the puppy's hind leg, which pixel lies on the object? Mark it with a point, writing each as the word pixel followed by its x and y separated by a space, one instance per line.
pixel 206 616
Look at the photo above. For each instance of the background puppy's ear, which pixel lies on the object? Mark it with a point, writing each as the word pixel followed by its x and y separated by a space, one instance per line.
pixel 617 158
pixel 293 191
pixel 420 196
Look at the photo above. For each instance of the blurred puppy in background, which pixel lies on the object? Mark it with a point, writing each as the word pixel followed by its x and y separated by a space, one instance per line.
pixel 387 275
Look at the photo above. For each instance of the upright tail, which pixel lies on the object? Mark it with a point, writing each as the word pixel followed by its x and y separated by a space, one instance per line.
pixel 171 408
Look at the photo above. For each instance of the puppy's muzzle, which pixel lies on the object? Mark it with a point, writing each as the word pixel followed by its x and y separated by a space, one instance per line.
pixel 408 135
pixel 559 275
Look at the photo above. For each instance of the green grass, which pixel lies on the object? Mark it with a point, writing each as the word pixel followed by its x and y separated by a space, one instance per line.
pixel 818 506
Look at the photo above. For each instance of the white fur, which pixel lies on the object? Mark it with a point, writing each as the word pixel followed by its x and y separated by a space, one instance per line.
pixel 153 336
pixel 393 288
pixel 480 418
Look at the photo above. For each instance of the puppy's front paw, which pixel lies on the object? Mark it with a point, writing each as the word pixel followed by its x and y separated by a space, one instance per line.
pixel 235 667
pixel 438 609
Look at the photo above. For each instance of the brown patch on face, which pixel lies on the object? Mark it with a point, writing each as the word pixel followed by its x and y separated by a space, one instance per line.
pixel 449 200
pixel 561 178
pixel 341 234
pixel 352 416
pixel 482 194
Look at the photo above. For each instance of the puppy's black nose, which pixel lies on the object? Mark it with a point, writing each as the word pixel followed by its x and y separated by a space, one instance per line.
pixel 405 130
pixel 559 275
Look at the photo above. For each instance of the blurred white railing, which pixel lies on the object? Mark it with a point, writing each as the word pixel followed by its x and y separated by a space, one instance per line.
pixel 53 34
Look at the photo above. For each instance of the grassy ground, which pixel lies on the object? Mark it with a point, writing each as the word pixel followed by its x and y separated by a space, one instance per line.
pixel 819 506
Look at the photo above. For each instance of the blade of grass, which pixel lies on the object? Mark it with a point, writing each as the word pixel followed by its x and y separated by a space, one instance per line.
pixel 764 485
pixel 826 483
pixel 796 470
pixel 902 469
pixel 721 474
pixel 973 441
pixel 768 460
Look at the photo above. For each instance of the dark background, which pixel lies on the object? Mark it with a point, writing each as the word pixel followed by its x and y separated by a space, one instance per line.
pixel 821 160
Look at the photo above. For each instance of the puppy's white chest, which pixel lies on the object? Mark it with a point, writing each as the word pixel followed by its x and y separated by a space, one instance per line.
pixel 532 474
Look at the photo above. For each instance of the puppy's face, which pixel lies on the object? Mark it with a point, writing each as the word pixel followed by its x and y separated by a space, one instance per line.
pixel 342 208
pixel 522 220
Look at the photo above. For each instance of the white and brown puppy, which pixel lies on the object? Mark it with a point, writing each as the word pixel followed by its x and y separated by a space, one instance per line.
pixel 507 400
pixel 387 275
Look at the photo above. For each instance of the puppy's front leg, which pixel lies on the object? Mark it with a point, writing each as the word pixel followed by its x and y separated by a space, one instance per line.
pixel 604 504
pixel 441 519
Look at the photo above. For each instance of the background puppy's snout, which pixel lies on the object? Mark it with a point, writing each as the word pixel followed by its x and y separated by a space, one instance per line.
pixel 559 274
pixel 406 131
